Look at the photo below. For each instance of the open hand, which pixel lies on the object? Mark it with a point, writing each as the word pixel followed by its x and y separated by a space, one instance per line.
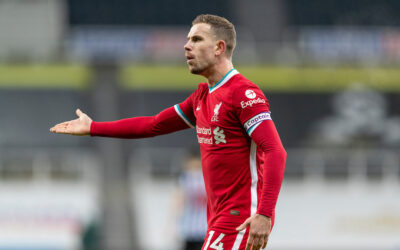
pixel 80 126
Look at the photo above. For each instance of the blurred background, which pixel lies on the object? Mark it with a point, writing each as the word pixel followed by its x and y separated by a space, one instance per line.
pixel 330 70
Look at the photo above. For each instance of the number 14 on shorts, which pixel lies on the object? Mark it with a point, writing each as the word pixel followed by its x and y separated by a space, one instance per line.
pixel 216 244
pixel 225 241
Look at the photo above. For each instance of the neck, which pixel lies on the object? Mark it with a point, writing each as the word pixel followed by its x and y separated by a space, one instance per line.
pixel 216 73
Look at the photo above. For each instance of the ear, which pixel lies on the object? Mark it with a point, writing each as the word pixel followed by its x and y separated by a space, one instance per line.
pixel 220 47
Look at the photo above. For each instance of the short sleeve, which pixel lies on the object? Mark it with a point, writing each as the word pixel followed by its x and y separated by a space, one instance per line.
pixel 185 109
pixel 251 106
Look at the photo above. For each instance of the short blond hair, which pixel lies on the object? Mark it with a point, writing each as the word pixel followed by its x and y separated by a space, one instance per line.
pixel 222 29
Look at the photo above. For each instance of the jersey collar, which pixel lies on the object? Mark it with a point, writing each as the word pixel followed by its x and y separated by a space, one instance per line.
pixel 224 79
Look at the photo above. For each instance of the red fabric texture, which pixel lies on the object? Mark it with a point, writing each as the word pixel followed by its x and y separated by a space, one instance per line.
pixel 266 137
pixel 167 121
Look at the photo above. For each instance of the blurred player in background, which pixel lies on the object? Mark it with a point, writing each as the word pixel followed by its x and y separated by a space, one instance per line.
pixel 191 204
pixel 242 156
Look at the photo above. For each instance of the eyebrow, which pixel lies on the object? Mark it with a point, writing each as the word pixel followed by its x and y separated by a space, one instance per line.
pixel 195 36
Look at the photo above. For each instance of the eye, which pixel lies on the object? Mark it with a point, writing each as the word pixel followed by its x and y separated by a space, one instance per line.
pixel 196 39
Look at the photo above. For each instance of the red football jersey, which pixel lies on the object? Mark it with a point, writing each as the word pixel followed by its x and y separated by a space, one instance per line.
pixel 224 117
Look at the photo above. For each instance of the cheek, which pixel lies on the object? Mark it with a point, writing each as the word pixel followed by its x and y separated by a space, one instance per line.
pixel 207 54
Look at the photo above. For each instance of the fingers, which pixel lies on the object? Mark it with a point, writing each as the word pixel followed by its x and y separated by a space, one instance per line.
pixel 244 225
pixel 79 112
pixel 249 241
pixel 62 128
pixel 257 242
pixel 265 242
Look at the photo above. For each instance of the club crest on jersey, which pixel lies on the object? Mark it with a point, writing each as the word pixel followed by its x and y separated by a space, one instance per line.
pixel 214 118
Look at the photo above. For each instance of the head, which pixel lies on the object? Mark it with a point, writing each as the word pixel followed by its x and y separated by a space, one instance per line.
pixel 210 40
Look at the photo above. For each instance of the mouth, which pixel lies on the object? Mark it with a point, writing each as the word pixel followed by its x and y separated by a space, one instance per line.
pixel 189 58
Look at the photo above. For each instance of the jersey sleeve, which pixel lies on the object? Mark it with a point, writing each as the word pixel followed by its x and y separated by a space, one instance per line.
pixel 167 121
pixel 185 109
pixel 267 139
pixel 178 117
pixel 251 107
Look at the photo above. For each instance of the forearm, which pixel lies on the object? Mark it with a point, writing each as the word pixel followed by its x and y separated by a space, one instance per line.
pixel 274 166
pixel 167 121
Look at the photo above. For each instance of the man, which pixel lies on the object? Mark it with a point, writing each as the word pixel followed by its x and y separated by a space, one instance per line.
pixel 243 158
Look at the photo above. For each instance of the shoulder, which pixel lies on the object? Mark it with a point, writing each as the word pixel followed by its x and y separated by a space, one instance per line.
pixel 202 88
pixel 247 94
pixel 239 81
pixel 243 87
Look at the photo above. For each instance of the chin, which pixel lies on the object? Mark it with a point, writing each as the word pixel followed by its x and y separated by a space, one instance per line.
pixel 196 71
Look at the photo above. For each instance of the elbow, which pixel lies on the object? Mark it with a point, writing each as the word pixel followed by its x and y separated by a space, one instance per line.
pixel 279 154
pixel 154 127
pixel 277 149
pixel 284 157
pixel 283 153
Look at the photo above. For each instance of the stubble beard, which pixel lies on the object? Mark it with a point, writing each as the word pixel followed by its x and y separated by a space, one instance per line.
pixel 198 70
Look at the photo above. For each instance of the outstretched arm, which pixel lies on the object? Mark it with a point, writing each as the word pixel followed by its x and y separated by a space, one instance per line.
pixel 167 121
pixel 79 126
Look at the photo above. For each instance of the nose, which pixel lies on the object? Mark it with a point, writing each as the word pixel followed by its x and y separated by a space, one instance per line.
pixel 187 46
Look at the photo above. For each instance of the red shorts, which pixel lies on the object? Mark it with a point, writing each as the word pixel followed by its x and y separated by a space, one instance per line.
pixel 215 240
pixel 228 239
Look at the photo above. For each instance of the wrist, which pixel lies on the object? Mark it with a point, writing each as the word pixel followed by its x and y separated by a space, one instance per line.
pixel 265 212
pixel 263 215
pixel 91 128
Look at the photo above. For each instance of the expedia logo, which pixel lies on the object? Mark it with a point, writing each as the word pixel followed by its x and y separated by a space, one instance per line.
pixel 251 102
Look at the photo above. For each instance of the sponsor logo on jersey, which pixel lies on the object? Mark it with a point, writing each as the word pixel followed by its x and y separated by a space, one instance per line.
pixel 203 131
pixel 204 135
pixel 219 135
pixel 250 94
pixel 257 119
pixel 205 140
pixel 250 103
pixel 214 118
